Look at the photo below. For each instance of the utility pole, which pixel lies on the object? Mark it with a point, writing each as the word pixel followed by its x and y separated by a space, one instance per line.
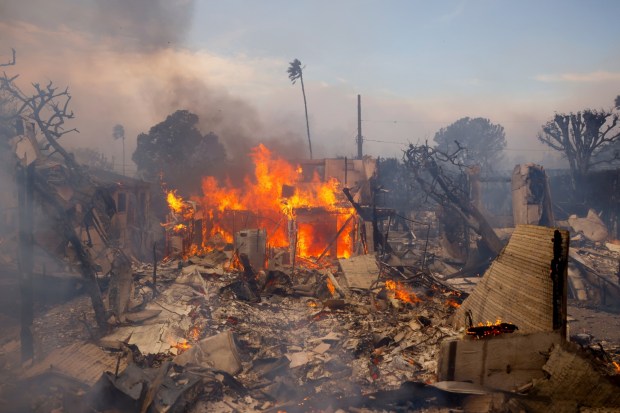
pixel 359 127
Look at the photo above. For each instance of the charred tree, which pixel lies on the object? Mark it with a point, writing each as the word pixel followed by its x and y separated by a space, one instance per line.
pixel 581 137
pixel 48 108
pixel 443 179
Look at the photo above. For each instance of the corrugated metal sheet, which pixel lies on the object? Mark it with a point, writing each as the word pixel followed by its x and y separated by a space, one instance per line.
pixel 517 288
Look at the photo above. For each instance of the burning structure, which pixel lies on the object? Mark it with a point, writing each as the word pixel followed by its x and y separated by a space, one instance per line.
pixel 299 206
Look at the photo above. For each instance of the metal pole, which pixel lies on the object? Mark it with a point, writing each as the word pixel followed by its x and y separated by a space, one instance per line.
pixel 359 127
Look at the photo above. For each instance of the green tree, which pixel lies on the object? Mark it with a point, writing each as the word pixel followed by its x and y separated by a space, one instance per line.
pixel 582 137
pixel 179 151
pixel 481 141
pixel 295 71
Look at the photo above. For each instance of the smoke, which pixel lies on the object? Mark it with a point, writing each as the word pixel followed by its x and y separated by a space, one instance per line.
pixel 125 63
pixel 136 25
pixel 144 25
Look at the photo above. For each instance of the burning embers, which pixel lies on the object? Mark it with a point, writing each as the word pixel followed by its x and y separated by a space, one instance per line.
pixel 401 292
pixel 299 212
pixel 490 329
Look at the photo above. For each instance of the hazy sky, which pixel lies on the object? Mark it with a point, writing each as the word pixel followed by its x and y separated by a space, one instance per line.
pixel 419 65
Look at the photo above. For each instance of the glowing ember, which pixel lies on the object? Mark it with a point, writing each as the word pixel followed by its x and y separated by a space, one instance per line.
pixel 617 366
pixel 401 292
pixel 330 287
pixel 452 303
pixel 181 346
pixel 194 333
pixel 490 329
pixel 312 304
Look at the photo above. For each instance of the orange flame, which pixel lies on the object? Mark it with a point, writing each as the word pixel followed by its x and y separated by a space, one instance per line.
pixel 175 203
pixel 181 346
pixel 401 292
pixel 617 366
pixel 490 323
pixel 452 303
pixel 330 286
pixel 179 227
pixel 259 204
pixel 194 333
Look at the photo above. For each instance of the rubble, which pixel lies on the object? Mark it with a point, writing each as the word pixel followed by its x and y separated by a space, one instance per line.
pixel 308 317
pixel 592 227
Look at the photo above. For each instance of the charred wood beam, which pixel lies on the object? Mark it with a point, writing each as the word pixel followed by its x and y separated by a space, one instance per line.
pixel 558 277
pixel 331 242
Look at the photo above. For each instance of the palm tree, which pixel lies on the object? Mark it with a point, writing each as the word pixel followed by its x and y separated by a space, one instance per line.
pixel 118 132
pixel 294 73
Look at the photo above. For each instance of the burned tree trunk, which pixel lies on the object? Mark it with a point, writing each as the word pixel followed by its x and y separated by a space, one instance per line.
pixel 472 215
pixel 421 160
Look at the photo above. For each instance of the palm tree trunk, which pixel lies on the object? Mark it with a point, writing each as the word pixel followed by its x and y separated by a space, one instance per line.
pixel 303 91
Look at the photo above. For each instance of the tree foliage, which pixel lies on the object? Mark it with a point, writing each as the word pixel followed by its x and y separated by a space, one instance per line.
pixel 581 137
pixel 176 149
pixel 118 132
pixel 481 141
pixel 295 72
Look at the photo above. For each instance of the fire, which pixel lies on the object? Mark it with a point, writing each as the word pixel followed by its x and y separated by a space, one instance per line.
pixel 174 202
pixel 194 333
pixel 452 303
pixel 331 287
pixel 261 203
pixel 401 292
pixel 490 323
pixel 182 346
pixel 617 366
pixel 179 206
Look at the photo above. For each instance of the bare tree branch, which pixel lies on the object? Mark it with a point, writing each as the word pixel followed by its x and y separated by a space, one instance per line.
pixel 449 188
pixel 580 137
pixel 10 62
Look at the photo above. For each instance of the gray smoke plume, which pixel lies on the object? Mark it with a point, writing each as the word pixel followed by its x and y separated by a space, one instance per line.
pixel 138 25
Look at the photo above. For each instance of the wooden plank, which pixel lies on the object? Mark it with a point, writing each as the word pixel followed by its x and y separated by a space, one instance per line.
pixel 502 363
